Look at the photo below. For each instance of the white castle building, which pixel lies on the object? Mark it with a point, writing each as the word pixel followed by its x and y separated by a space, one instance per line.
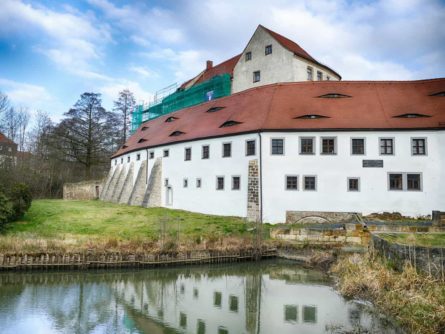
pixel 290 136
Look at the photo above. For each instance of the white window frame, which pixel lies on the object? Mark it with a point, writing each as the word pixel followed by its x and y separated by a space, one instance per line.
pixel 393 146
pixel 284 146
pixel 358 184
pixel 412 147
pixel 285 182
pixel 303 185
pixel 222 149
pixel 300 146
pixel 238 176
pixel 364 146
pixel 224 182
pixel 335 145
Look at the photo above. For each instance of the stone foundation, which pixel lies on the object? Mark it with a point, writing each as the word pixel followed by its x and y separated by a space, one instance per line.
pixel 317 217
pixel 253 196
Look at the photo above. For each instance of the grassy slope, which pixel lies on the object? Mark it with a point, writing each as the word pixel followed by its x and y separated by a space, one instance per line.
pixel 99 222
pixel 419 239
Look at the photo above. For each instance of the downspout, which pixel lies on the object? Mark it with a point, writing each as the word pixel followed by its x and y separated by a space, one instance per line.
pixel 261 179
pixel 146 168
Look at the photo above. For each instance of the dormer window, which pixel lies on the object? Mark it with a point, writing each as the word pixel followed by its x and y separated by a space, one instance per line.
pixel 438 94
pixel 176 133
pixel 411 115
pixel 142 140
pixel 333 96
pixel 268 50
pixel 124 146
pixel 311 116
pixel 215 109
pixel 144 128
pixel 171 119
pixel 248 56
pixel 229 123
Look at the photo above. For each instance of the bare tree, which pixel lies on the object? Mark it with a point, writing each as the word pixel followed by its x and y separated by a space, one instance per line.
pixel 10 123
pixel 125 104
pixel 23 117
pixel 4 102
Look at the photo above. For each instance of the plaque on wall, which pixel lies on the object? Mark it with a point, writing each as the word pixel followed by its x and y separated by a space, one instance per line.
pixel 373 163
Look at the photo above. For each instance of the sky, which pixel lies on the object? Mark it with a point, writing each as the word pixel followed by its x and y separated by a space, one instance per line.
pixel 53 51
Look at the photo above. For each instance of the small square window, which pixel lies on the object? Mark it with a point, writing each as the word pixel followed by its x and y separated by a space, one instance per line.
pixel 395 181
pixel 256 76
pixel 128 159
pixel 310 183
pixel 138 157
pixel 386 146
pixel 166 153
pixel 248 56
pixel 307 146
pixel 277 146
pixel 217 299
pixel 236 183
pixel 358 146
pixel 250 147
pixel 185 183
pixel 310 314
pixel 268 50
pixel 413 182
pixel 188 154
pixel 290 313
pixel 310 73
pixel 418 146
pixel 198 183
pixel 227 150
pixel 319 76
pixel 353 184
pixel 291 182
pixel 328 146
pixel 220 183
pixel 205 152
pixel 152 154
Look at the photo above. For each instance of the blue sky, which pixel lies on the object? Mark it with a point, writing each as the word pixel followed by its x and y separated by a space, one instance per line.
pixel 52 51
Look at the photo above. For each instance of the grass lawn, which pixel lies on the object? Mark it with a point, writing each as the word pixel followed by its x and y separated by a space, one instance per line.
pixel 419 239
pixel 59 223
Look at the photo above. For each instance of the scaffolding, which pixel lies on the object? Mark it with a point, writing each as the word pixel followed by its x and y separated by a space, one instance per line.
pixel 217 87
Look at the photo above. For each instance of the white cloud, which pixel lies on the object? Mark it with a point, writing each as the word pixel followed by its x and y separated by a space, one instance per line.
pixel 143 71
pixel 25 94
pixel 71 40
pixel 111 91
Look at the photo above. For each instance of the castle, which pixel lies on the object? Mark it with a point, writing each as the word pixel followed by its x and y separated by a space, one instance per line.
pixel 272 131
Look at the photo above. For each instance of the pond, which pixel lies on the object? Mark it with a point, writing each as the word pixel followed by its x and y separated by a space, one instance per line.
pixel 273 296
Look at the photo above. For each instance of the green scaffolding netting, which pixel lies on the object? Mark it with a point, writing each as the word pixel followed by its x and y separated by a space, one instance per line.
pixel 214 88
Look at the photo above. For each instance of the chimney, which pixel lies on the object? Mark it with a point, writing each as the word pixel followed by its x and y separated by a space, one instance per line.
pixel 209 64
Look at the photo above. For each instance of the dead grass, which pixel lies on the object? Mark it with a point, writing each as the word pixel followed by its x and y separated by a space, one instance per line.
pixel 416 301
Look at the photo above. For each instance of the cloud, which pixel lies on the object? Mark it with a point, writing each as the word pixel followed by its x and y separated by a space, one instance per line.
pixel 70 39
pixel 111 91
pixel 143 71
pixel 24 94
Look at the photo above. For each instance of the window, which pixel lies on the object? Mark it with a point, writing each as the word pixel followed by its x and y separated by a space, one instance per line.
pixel 138 157
pixel 290 313
pixel 220 183
pixel 205 152
pixel 328 145
pixel 268 50
pixel 144 128
pixel 227 150
pixel 198 183
pixel 233 303
pixel 310 183
pixel 395 181
pixel 182 320
pixel 250 147
pixel 217 299
pixel 405 181
pixel 151 154
pixel 307 145
pixel 291 182
pixel 122 160
pixel 412 115
pixel 277 146
pixel 413 182
pixel 333 96
pixel 195 293
pixel 128 159
pixel 171 119
pixel 418 146
pixel 222 330
pixel 142 140
pixel 319 76
pixel 310 314
pixel 353 184
pixel 229 123
pixel 236 183
pixel 115 161
pixel 328 78
pixel 357 146
pixel 166 153
pixel 438 94
pixel 188 154
pixel 201 327
pixel 215 109
pixel 386 146
pixel 185 183
pixel 176 133
pixel 311 116
pixel 248 56
pixel 256 76
pixel 310 73
pixel 166 182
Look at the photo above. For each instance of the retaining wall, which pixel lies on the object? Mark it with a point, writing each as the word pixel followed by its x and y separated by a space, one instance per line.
pixel 85 190
pixel 425 259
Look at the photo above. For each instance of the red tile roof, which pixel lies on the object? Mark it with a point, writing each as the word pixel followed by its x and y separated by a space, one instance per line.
pixel 296 49
pixel 372 106
pixel 226 66
pixel 4 139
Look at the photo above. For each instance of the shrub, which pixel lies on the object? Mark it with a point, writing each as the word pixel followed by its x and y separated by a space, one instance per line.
pixel 6 211
pixel 21 199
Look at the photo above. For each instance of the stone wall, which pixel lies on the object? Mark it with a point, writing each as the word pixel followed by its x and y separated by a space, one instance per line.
pixel 85 190
pixel 253 196
pixel 439 218
pixel 153 194
pixel 308 217
pixel 425 259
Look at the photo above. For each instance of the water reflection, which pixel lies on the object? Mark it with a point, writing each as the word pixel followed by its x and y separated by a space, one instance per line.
pixel 266 297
